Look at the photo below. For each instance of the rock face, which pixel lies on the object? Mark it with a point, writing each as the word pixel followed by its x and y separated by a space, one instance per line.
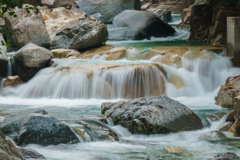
pixel 37 127
pixel 24 28
pixel 8 151
pixel 71 30
pixel 213 136
pixel 12 81
pixel 152 115
pixel 228 92
pixel 29 60
pixel 108 8
pixel 145 22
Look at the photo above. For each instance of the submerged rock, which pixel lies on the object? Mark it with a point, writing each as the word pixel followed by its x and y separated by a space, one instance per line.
pixel 30 154
pixel 8 151
pixel 214 136
pixel 174 149
pixel 226 156
pixel 29 60
pixel 145 22
pixel 108 8
pixel 152 115
pixel 37 127
pixel 28 28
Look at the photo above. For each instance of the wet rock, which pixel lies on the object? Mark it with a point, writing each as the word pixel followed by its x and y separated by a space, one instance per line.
pixel 230 117
pixel 186 15
pixel 65 53
pixel 3 48
pixel 37 127
pixel 3 65
pixel 30 154
pixel 235 129
pixel 24 28
pixel 108 8
pixel 152 115
pixel 226 156
pixel 125 33
pixel 226 126
pixel 145 22
pixel 12 81
pixel 236 111
pixel 163 14
pixel 215 116
pixel 8 151
pixel 213 136
pixel 105 52
pixel 29 60
pixel 228 92
pixel 174 149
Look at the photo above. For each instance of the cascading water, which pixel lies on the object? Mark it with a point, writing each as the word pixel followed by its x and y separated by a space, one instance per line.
pixel 9 67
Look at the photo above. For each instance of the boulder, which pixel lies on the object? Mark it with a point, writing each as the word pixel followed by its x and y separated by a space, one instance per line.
pixel 37 127
pixel 225 126
pixel 108 8
pixel 145 22
pixel 125 33
pixel 29 60
pixel 226 156
pixel 163 14
pixel 24 28
pixel 71 30
pixel 65 53
pixel 12 81
pixel 8 150
pixel 235 129
pixel 213 136
pixel 215 116
pixel 30 154
pixel 152 115
pixel 3 65
pixel 228 92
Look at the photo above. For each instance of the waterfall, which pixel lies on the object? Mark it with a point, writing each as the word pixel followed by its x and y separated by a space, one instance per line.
pixel 9 67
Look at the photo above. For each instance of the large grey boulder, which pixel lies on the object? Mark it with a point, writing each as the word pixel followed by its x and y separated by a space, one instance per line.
pixel 145 22
pixel 28 28
pixel 152 115
pixel 108 8
pixel 120 34
pixel 37 127
pixel 29 60
pixel 81 34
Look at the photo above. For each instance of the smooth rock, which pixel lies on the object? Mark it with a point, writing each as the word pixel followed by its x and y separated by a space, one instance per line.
pixel 29 60
pixel 145 22
pixel 28 28
pixel 37 127
pixel 215 116
pixel 174 149
pixel 108 8
pixel 225 126
pixel 30 154
pixel 152 115
pixel 64 53
pixel 226 156
pixel 213 136
pixel 12 81
pixel 235 129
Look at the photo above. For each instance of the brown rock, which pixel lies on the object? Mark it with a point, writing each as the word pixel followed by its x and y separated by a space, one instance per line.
pixel 237 108
pixel 235 129
pixel 12 81
pixel 215 116
pixel 65 53
pixel 230 117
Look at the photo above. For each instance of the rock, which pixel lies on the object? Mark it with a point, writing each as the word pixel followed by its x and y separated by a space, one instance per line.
pixel 3 48
pixel 228 92
pixel 237 108
pixel 32 2
pixel 186 15
pixel 3 65
pixel 163 14
pixel 213 136
pixel 12 81
pixel 152 115
pixel 30 154
pixel 230 117
pixel 29 60
pixel 37 127
pixel 125 33
pixel 225 126
pixel 215 116
pixel 108 8
pixel 105 52
pixel 71 30
pixel 235 129
pixel 8 150
pixel 64 53
pixel 145 22
pixel 226 156
pixel 24 28
pixel 174 149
